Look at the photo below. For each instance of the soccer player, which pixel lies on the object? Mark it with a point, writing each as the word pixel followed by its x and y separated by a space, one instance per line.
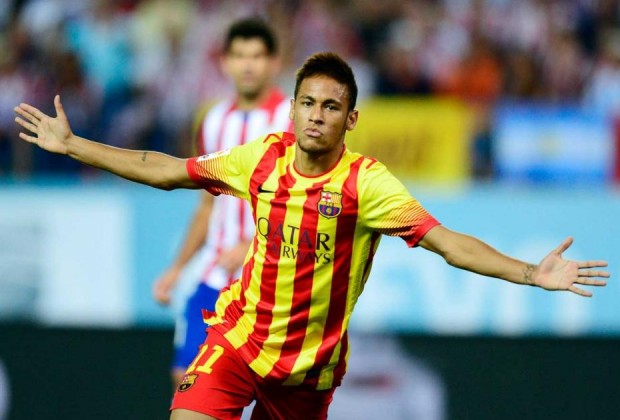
pixel 223 228
pixel 279 334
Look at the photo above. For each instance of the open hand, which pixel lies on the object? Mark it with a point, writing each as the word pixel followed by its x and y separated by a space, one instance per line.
pixel 556 273
pixel 51 134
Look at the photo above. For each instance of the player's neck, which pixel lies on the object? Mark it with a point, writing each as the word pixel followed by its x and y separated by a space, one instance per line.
pixel 311 164
pixel 251 102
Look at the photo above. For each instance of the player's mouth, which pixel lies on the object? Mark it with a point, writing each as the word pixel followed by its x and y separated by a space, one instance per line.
pixel 248 81
pixel 312 132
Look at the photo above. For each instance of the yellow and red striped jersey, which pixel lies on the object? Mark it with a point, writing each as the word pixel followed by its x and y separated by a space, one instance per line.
pixel 311 254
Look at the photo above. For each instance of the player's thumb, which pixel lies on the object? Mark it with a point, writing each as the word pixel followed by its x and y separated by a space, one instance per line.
pixel 564 245
pixel 60 112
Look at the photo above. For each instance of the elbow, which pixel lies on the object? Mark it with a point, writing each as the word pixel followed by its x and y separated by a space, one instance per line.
pixel 165 173
pixel 165 185
pixel 454 260
pixel 451 259
pixel 161 183
pixel 168 181
pixel 169 184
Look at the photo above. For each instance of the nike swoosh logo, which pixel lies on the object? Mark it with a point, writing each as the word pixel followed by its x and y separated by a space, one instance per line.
pixel 261 190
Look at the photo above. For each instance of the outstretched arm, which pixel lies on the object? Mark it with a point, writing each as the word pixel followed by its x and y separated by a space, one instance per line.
pixel 552 273
pixel 55 135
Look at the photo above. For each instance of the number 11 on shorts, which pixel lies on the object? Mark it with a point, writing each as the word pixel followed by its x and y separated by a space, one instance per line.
pixel 205 367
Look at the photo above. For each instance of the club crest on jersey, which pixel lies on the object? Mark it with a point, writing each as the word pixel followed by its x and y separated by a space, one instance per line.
pixel 330 204
pixel 188 381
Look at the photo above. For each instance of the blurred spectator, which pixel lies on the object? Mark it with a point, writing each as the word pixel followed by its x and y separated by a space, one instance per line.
pixel 100 39
pixel 400 66
pixel 160 106
pixel 477 79
pixel 14 83
pixel 522 75
pixel 144 66
pixel 66 77
pixel 602 92
pixel 478 76
pixel 565 69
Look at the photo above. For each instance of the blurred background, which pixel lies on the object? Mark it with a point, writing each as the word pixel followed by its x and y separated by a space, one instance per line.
pixel 501 116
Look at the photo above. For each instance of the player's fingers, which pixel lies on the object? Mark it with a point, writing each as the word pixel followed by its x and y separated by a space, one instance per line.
pixel 31 110
pixel 564 246
pixel 162 300
pixel 591 264
pixel 591 282
pixel 579 291
pixel 593 273
pixel 26 124
pixel 29 139
pixel 160 294
pixel 25 114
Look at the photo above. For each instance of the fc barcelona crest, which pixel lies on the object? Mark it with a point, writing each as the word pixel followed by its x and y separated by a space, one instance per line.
pixel 330 204
pixel 188 381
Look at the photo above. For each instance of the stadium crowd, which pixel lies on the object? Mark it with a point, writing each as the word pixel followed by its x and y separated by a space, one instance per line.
pixel 133 73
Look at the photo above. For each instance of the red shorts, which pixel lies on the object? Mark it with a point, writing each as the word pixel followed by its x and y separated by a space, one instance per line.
pixel 220 384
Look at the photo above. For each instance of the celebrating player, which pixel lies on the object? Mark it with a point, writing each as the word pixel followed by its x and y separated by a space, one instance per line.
pixel 278 335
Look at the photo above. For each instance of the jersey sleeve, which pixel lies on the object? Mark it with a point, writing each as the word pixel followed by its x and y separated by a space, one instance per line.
pixel 227 171
pixel 388 208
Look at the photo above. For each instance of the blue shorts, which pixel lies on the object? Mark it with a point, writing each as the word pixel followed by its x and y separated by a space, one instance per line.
pixel 190 328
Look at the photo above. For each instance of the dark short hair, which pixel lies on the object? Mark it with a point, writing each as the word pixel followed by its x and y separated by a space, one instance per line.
pixel 252 28
pixel 330 65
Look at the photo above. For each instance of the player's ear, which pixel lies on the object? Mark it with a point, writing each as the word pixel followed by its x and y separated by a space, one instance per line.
pixel 352 119
pixel 291 112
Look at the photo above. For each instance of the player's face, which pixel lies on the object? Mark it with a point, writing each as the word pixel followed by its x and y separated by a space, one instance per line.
pixel 321 115
pixel 249 65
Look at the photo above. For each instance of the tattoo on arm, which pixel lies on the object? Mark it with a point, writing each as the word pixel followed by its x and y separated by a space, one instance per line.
pixel 144 156
pixel 527 274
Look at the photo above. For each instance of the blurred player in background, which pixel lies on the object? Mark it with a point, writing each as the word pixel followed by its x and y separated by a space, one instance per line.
pixel 222 227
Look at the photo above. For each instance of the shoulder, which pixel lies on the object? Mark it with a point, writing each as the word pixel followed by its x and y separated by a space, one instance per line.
pixel 364 163
pixel 277 142
pixel 373 177
pixel 281 137
pixel 219 108
pixel 271 146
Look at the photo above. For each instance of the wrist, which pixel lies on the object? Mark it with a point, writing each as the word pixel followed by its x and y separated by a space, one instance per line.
pixel 528 274
pixel 72 146
pixel 175 269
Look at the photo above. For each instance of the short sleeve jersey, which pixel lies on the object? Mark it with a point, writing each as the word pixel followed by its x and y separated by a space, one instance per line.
pixel 311 254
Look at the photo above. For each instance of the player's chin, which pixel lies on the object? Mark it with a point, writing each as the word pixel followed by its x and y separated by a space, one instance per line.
pixel 310 145
pixel 249 88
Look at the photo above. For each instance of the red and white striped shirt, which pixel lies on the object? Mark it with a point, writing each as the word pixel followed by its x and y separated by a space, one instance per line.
pixel 226 126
